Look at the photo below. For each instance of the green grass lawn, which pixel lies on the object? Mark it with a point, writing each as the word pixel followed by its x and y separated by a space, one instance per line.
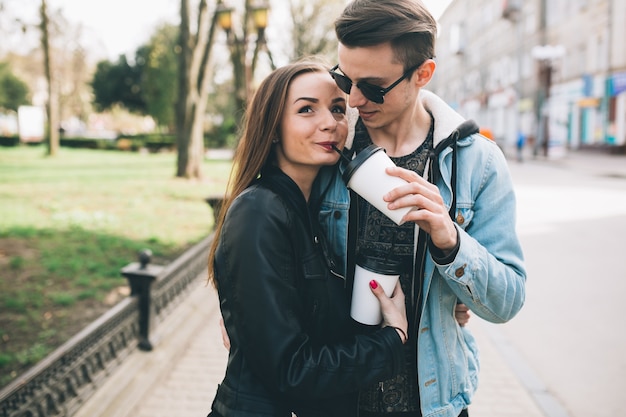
pixel 69 223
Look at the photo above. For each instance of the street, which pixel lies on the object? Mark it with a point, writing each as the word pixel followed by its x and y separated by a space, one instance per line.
pixel 567 344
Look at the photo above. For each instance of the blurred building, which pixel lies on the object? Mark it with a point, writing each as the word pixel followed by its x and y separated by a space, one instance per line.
pixel 554 70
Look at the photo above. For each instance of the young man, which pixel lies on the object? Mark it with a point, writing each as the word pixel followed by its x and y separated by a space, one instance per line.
pixel 461 245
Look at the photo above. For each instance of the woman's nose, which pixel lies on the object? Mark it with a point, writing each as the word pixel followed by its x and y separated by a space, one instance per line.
pixel 330 121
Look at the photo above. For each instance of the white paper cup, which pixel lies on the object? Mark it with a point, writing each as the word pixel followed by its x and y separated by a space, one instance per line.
pixel 365 307
pixel 366 175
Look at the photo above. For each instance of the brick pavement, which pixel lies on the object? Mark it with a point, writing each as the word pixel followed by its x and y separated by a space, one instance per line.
pixel 179 377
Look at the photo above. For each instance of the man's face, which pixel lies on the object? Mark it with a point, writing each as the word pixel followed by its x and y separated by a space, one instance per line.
pixel 376 65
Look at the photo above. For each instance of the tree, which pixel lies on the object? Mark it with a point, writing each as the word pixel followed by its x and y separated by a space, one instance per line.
pixel 159 71
pixel 118 83
pixel 313 33
pixel 193 82
pixel 52 109
pixel 13 91
pixel 148 86
pixel 26 35
pixel 74 74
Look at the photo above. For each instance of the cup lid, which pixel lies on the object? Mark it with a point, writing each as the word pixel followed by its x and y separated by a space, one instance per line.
pixel 360 158
pixel 379 265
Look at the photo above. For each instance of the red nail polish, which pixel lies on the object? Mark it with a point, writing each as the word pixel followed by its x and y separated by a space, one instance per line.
pixel 373 284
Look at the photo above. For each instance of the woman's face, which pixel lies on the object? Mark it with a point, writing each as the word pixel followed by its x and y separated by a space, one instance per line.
pixel 313 121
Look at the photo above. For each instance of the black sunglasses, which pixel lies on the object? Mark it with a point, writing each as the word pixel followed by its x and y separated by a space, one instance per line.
pixel 371 92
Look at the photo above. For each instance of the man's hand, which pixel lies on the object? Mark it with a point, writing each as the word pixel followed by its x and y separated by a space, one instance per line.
pixel 432 214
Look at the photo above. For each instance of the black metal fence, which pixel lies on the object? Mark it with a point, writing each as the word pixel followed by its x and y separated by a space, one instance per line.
pixel 61 382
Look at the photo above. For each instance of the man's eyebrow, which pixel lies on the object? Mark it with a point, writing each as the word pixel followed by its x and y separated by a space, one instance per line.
pixel 369 79
pixel 366 79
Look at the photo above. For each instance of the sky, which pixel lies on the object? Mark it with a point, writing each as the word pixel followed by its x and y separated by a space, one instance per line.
pixel 120 26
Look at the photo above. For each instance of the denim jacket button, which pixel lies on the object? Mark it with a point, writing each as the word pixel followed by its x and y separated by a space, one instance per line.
pixel 337 214
pixel 460 219
pixel 459 272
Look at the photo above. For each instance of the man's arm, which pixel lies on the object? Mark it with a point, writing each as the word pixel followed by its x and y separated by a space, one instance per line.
pixel 483 263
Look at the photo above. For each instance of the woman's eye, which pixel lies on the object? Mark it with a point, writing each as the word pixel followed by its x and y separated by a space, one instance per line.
pixel 339 113
pixel 339 109
pixel 305 109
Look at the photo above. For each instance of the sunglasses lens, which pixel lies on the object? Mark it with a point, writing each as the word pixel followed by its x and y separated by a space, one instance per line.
pixel 371 92
pixel 344 83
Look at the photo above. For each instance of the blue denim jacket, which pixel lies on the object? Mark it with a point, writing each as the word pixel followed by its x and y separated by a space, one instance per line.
pixel 488 273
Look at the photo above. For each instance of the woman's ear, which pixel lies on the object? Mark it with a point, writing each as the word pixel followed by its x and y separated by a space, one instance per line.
pixel 425 72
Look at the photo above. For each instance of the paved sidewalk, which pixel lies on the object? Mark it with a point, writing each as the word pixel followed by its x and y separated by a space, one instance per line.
pixel 595 162
pixel 179 377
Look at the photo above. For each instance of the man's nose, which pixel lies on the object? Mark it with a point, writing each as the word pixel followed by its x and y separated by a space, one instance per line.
pixel 356 97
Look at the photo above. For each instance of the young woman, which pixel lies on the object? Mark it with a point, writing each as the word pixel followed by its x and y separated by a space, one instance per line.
pixel 285 309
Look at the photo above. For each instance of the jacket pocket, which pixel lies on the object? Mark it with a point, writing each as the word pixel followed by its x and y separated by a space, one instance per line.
pixel 313 267
pixel 315 289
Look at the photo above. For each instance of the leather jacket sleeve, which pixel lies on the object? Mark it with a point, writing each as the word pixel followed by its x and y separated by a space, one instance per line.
pixel 258 269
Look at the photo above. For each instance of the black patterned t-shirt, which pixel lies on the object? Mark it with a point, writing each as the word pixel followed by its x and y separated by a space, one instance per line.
pixel 379 236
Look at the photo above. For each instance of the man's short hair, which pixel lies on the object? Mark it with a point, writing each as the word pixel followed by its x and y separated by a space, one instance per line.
pixel 406 24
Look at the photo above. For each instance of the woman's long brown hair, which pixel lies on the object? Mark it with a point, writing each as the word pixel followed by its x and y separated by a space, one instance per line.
pixel 255 150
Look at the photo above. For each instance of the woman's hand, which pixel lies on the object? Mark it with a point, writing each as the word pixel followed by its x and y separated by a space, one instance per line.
pixel 462 315
pixel 393 308
pixel 225 338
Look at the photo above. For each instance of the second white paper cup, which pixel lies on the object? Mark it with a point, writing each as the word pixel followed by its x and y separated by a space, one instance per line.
pixel 365 307
pixel 366 175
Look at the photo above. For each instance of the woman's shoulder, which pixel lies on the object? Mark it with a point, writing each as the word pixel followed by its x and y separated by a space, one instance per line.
pixel 256 205
pixel 257 198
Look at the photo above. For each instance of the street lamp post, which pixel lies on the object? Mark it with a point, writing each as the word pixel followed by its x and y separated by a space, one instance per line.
pixel 239 42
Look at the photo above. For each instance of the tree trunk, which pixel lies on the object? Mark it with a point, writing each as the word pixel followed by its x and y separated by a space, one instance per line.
pixel 195 53
pixel 52 128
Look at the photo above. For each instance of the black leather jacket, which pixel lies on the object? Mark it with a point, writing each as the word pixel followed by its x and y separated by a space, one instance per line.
pixel 293 346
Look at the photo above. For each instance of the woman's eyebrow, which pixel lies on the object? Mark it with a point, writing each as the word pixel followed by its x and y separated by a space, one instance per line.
pixel 311 99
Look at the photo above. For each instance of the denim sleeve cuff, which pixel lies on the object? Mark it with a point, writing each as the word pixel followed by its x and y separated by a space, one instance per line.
pixel 439 256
